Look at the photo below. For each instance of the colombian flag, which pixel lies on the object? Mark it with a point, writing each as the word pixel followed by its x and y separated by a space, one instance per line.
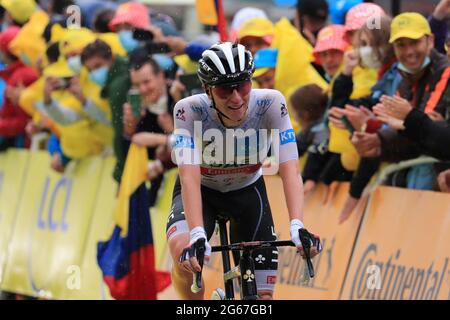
pixel 127 259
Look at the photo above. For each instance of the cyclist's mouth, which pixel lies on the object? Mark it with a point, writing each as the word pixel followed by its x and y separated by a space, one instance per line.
pixel 236 108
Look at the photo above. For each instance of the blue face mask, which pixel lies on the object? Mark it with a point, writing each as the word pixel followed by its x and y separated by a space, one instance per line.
pixel 164 61
pixel 127 40
pixel 25 59
pixel 425 63
pixel 5 25
pixel 99 76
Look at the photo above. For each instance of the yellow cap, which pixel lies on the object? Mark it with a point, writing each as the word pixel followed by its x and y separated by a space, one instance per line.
pixel 59 69
pixel 257 27
pixel 19 10
pixel 409 25
pixel 75 40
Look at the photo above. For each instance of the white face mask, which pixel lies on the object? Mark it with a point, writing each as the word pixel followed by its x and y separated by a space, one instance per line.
pixel 425 63
pixel 369 58
pixel 75 64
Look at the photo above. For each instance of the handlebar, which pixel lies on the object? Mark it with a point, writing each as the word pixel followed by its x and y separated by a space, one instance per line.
pixel 305 237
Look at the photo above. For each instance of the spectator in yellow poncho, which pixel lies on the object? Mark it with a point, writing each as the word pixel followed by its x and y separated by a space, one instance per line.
pixel 363 79
pixel 294 54
pixel 86 91
pixel 78 135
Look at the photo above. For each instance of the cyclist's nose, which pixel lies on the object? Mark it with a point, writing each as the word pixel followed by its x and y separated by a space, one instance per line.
pixel 235 96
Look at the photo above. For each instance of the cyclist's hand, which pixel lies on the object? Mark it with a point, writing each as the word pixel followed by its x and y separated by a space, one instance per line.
pixel 296 225
pixel 315 244
pixel 315 249
pixel 190 254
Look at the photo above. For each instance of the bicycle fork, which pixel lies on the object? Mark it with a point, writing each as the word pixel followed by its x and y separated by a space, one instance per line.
pixel 229 288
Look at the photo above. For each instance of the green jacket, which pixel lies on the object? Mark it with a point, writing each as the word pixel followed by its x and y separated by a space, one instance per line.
pixel 115 90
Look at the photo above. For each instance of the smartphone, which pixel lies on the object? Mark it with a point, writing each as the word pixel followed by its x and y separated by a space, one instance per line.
pixel 64 83
pixel 157 47
pixel 192 83
pixel 348 124
pixel 134 99
pixel 143 35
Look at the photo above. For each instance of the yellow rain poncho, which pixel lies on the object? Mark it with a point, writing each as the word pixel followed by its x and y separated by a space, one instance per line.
pixel 112 39
pixel 363 80
pixel 294 67
pixel 74 41
pixel 78 139
pixel 29 45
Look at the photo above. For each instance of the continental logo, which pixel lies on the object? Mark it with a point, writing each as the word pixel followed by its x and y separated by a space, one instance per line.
pixel 394 281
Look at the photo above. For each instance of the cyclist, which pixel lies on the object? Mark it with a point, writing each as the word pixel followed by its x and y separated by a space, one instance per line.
pixel 209 186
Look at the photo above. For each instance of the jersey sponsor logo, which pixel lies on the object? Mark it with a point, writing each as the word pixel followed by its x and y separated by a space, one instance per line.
pixel 182 141
pixel 271 279
pixel 180 115
pixel 284 110
pixel 197 109
pixel 223 171
pixel 287 136
pixel 263 105
pixel 171 231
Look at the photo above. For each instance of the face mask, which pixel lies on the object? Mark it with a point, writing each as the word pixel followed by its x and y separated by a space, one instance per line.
pixel 25 59
pixel 75 64
pixel 2 58
pixel 127 40
pixel 425 63
pixel 99 76
pixel 369 58
pixel 5 25
pixel 164 62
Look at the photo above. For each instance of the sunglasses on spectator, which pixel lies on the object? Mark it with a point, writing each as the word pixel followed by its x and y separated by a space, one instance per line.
pixel 226 91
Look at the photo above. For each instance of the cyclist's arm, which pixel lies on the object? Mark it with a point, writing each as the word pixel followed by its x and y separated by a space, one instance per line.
pixel 186 156
pixel 288 156
pixel 293 188
pixel 190 192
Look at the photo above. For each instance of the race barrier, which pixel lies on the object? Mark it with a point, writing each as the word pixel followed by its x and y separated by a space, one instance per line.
pixel 403 251
pixel 395 245
pixel 50 224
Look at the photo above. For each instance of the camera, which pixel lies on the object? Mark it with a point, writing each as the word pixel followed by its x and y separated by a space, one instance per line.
pixel 192 83
pixel 64 83
pixel 146 38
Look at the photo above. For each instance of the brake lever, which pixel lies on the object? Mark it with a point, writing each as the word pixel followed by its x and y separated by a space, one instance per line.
pixel 200 254
pixel 306 244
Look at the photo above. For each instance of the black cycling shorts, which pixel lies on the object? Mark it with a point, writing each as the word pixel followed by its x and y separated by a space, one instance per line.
pixel 248 211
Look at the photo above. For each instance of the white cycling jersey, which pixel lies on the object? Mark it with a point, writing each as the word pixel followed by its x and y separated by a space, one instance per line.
pixel 230 159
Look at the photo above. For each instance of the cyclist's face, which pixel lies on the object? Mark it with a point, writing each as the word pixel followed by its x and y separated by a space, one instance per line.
pixel 232 100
